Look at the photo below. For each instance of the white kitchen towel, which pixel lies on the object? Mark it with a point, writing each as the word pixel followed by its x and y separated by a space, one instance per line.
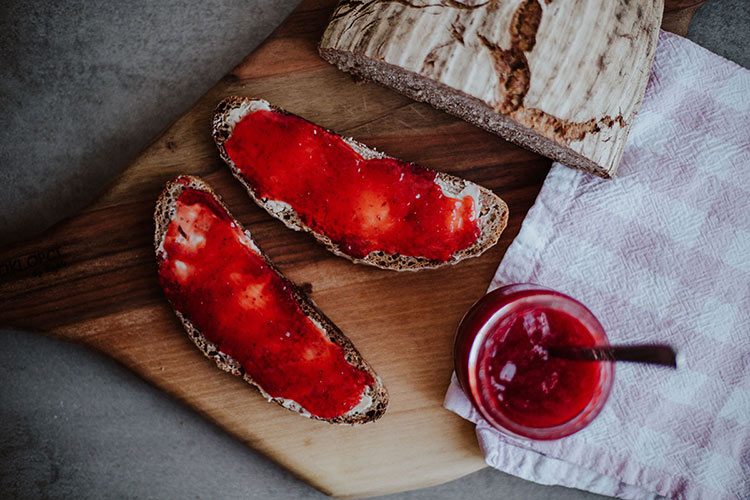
pixel 661 253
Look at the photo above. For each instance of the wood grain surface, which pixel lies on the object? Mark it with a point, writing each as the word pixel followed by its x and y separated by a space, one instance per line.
pixel 91 279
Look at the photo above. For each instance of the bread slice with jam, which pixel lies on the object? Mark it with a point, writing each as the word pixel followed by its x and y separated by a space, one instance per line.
pixel 253 322
pixel 361 204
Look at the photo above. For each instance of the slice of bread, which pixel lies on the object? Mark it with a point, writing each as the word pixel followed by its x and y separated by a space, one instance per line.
pixel 375 397
pixel 491 211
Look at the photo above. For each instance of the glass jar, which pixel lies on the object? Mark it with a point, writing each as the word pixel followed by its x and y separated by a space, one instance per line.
pixel 503 367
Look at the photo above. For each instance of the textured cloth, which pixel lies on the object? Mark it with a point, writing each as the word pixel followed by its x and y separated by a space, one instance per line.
pixel 660 254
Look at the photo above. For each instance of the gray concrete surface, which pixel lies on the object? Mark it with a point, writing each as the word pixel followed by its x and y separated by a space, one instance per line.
pixel 84 87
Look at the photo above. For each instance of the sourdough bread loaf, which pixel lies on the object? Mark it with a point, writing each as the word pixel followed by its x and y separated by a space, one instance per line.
pixel 563 78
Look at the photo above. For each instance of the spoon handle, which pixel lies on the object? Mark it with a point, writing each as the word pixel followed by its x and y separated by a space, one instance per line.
pixel 654 354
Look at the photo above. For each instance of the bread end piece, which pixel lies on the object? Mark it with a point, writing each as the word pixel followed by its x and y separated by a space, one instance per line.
pixel 492 211
pixel 564 79
pixel 375 399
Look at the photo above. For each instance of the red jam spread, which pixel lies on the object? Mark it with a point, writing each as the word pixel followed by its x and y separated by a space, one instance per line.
pixel 361 205
pixel 214 276
pixel 527 385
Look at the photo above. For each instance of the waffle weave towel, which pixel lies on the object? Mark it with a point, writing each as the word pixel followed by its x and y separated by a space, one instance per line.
pixel 661 253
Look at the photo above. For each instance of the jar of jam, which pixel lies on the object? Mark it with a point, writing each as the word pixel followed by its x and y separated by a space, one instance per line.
pixel 503 366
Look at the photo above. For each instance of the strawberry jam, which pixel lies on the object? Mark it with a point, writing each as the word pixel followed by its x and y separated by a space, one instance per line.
pixel 503 364
pixel 361 205
pixel 528 386
pixel 214 275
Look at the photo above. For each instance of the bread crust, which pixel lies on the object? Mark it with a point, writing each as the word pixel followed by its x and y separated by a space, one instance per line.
pixel 492 210
pixel 163 215
pixel 460 104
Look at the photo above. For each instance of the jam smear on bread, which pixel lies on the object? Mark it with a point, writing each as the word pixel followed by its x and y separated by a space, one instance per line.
pixel 363 205
pixel 215 276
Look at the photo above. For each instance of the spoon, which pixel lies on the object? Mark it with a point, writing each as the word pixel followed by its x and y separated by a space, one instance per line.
pixel 654 354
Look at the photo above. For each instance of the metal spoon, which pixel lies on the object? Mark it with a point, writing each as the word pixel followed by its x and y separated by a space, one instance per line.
pixel 654 354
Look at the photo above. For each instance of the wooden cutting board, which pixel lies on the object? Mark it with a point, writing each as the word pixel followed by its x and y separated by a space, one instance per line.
pixel 91 279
